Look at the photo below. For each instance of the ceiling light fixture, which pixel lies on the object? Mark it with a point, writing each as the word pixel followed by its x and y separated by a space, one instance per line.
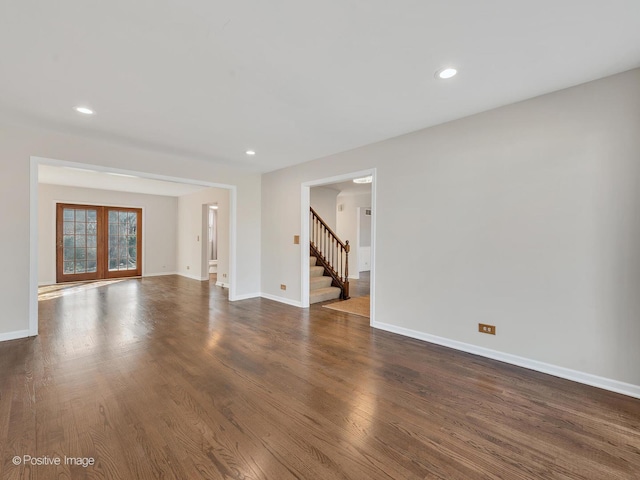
pixel 445 73
pixel 250 152
pixel 84 110
pixel 367 179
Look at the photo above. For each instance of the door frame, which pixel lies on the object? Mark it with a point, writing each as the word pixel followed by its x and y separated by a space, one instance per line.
pixel 102 271
pixel 33 222
pixel 305 203
pixel 59 249
pixel 52 274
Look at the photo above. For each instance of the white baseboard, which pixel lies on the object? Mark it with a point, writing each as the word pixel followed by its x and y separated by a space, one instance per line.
pixel 192 277
pixel 222 284
pixel 275 298
pixel 14 335
pixel 159 274
pixel 244 296
pixel 562 372
pixel 46 283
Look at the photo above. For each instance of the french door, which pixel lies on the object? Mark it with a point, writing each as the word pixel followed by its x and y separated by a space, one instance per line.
pixel 96 242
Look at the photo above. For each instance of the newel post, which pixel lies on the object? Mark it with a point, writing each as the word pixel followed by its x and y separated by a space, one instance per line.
pixel 345 290
pixel 347 248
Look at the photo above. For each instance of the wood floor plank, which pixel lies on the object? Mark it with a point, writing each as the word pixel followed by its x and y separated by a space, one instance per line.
pixel 165 378
pixel 19 438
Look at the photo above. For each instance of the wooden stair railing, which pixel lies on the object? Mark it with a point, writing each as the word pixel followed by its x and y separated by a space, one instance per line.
pixel 331 252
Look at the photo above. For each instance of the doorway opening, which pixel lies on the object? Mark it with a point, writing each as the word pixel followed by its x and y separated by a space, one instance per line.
pixel 212 242
pixel 42 258
pixel 97 242
pixel 342 206
pixel 362 265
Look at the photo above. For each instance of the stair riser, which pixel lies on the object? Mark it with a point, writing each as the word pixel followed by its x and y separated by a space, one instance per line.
pixel 319 282
pixel 316 271
pixel 331 293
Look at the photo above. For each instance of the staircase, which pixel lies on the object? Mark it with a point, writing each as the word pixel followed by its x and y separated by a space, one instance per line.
pixel 320 289
pixel 328 262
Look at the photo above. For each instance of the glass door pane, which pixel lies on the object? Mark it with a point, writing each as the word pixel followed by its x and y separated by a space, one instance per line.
pixel 123 243
pixel 77 242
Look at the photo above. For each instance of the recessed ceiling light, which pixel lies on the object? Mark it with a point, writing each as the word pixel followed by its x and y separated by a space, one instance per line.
pixel 445 73
pixel 367 179
pixel 85 110
pixel 250 152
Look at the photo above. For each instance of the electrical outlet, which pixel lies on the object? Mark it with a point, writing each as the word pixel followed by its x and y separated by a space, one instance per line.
pixel 489 329
pixel 224 275
pixel 296 239
pixel 283 286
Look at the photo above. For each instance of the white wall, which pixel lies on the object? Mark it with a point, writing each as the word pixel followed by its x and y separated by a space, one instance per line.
pixel 529 219
pixel 192 235
pixel 323 201
pixel 159 217
pixel 365 227
pixel 347 226
pixel 19 143
pixel 364 242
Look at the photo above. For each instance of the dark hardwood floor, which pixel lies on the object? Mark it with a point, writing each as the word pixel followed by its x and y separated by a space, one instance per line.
pixel 164 378
pixel 361 286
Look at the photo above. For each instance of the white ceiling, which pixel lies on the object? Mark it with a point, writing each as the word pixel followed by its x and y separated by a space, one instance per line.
pixel 293 79
pixel 73 177
pixel 350 188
